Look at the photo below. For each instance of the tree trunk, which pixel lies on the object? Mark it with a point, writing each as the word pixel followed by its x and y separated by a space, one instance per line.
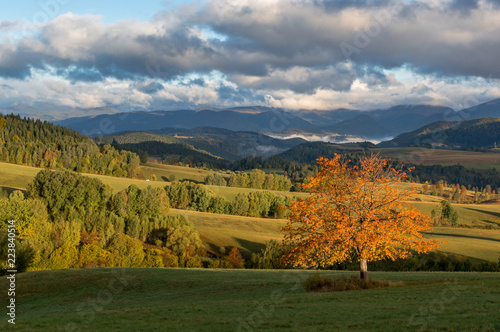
pixel 363 269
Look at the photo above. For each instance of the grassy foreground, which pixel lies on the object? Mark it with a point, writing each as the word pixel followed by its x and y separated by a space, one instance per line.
pixel 247 300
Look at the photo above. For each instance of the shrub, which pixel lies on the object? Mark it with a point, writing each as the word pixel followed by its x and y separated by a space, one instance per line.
pixel 216 180
pixel 92 255
pixel 126 251
pixel 183 239
pixel 319 283
pixel 219 264
pixel 64 257
pixel 235 260
pixel 269 258
pixel 153 258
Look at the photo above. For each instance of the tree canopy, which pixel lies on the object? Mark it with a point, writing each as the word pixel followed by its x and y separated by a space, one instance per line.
pixel 354 212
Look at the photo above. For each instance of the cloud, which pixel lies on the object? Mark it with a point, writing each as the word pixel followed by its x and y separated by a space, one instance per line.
pixel 265 36
pixel 304 53
pixel 420 89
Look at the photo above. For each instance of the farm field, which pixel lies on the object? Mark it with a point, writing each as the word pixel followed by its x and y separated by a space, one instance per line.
pixel 248 300
pixel 468 214
pixel 468 159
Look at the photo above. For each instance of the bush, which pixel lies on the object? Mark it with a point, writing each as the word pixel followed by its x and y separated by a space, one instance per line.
pixel 92 255
pixel 219 264
pixel 64 257
pixel 319 283
pixel 126 251
pixel 215 179
pixel 153 258
pixel 269 258
pixel 235 260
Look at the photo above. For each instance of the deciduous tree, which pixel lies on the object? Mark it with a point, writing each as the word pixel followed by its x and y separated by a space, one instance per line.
pixel 354 212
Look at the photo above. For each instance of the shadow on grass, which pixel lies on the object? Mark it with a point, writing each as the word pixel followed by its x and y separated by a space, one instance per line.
pixel 495 214
pixel 9 190
pixel 248 247
pixel 465 236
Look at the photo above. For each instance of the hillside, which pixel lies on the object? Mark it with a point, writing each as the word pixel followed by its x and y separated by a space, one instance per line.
pixel 484 110
pixel 451 135
pixel 362 125
pixel 43 144
pixel 309 152
pixel 223 143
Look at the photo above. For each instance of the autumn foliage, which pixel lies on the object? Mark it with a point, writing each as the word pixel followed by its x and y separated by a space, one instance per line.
pixel 356 212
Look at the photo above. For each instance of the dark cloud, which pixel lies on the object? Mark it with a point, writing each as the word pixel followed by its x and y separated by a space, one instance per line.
pixel 238 95
pixel 421 89
pixel 284 45
pixel 335 5
pixel 151 88
pixel 81 74
pixel 464 6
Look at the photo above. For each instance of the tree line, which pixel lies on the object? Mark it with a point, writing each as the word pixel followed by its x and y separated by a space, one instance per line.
pixel 41 144
pixel 256 179
pixel 197 197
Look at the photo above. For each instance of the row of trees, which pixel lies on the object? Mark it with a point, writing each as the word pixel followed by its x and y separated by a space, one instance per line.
pixel 192 196
pixel 42 144
pixel 457 193
pixel 256 179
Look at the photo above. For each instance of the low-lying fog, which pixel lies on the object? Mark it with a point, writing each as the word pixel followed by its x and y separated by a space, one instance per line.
pixel 333 138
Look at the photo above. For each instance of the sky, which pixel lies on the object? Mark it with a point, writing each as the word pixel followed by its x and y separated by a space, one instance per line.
pixel 294 54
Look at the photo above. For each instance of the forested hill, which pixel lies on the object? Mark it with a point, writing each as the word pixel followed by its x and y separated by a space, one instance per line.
pixel 42 144
pixel 452 135
pixel 309 152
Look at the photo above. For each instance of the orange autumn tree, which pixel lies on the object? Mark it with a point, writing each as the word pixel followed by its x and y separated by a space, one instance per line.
pixel 356 212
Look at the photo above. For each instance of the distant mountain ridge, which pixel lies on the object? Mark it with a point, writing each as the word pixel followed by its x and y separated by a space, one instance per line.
pixel 483 132
pixel 376 124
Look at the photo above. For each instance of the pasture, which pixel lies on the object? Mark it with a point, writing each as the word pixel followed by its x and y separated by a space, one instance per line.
pixel 248 300
pixel 422 156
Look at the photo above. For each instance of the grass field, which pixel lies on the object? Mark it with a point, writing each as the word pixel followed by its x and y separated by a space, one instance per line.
pixel 468 214
pixel 247 300
pixel 251 235
pixel 163 172
pixel 19 176
pixel 220 230
pixel 468 159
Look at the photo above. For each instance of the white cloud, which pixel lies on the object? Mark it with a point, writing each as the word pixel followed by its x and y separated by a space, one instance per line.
pixel 279 53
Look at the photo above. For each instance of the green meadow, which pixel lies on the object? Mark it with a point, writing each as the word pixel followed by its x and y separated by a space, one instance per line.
pixel 248 300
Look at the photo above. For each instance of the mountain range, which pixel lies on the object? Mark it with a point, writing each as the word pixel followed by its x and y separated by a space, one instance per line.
pixel 451 135
pixel 376 124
